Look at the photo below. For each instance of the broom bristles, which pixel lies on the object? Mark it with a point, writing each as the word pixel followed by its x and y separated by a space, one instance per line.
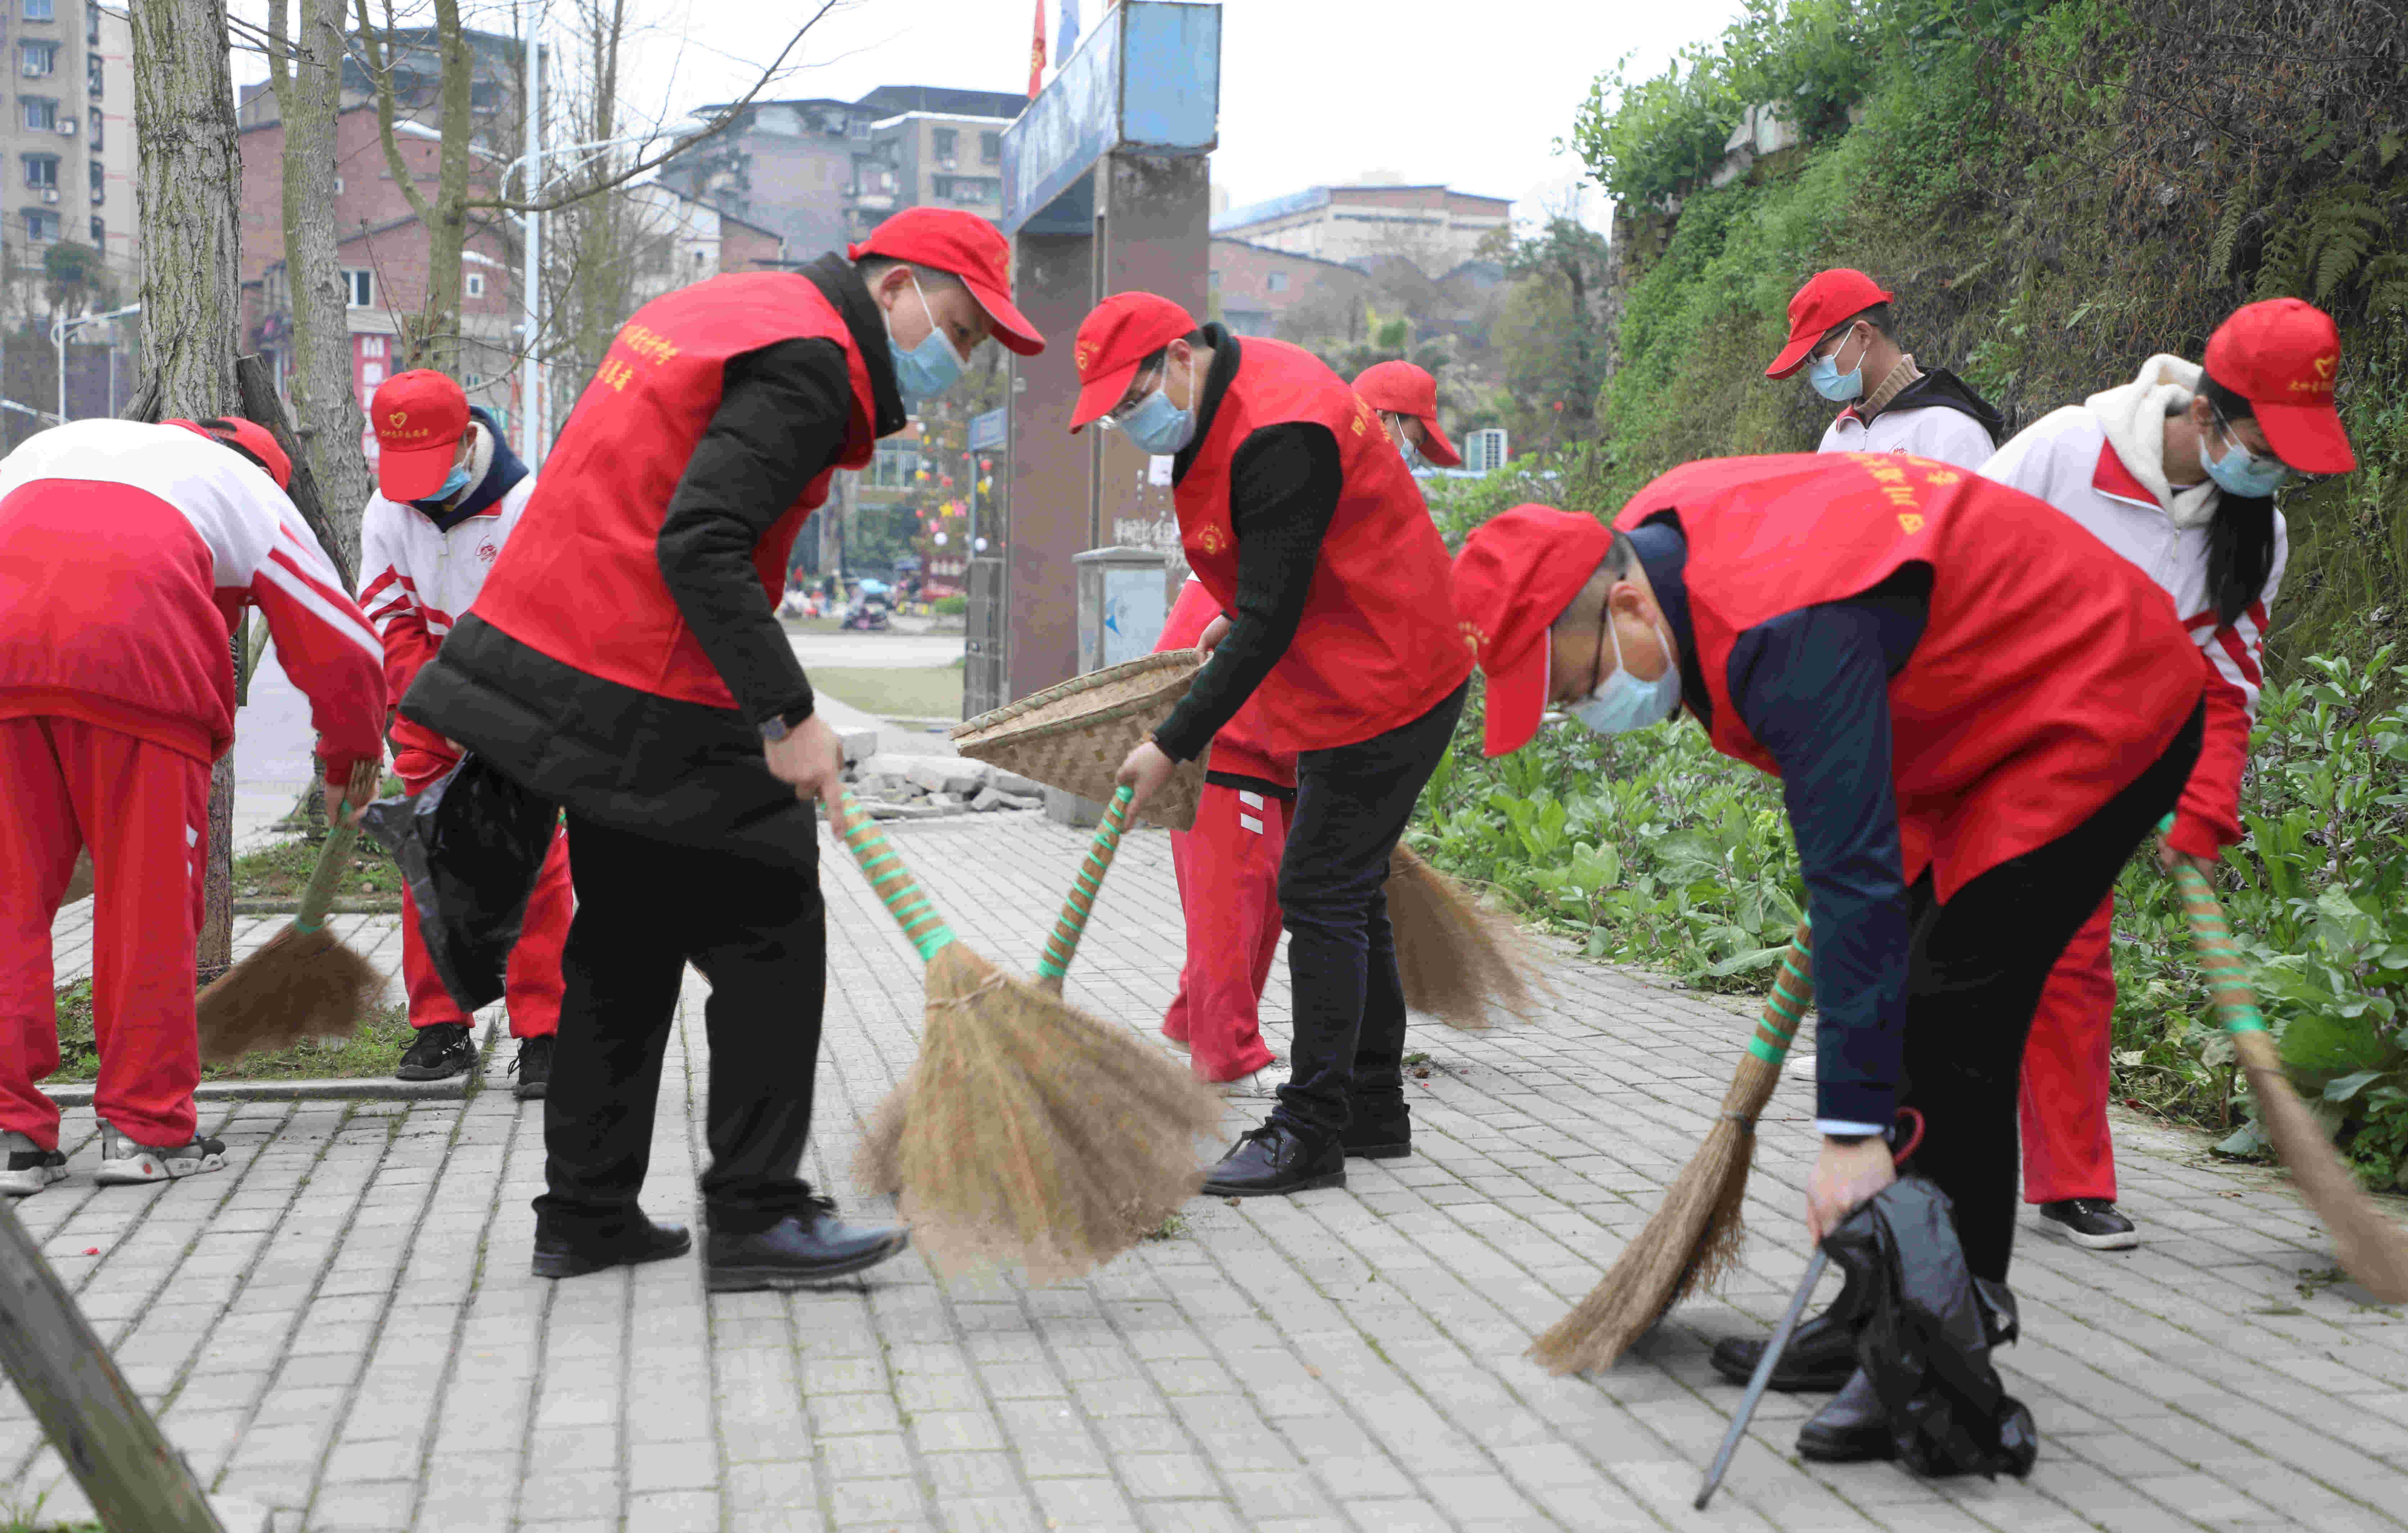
pixel 1033 1133
pixel 2372 1249
pixel 299 985
pixel 877 1164
pixel 1459 960
pixel 1692 1241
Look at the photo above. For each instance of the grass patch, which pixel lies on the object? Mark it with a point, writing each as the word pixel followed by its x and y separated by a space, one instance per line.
pixel 281 870
pixel 369 1054
pixel 1172 1228
pixel 897 692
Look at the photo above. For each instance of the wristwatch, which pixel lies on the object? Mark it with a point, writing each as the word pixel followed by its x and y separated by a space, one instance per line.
pixel 777 728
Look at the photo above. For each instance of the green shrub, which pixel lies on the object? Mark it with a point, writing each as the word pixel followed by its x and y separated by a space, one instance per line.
pixel 950 606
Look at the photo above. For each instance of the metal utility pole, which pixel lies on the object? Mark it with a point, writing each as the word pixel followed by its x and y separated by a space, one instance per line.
pixel 532 432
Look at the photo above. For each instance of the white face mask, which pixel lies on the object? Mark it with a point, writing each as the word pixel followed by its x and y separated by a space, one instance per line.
pixel 1622 702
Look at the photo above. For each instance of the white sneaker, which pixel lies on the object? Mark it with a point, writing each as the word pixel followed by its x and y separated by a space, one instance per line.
pixel 122 1162
pixel 28 1170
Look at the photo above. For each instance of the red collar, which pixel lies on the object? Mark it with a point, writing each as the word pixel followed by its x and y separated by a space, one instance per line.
pixel 2112 479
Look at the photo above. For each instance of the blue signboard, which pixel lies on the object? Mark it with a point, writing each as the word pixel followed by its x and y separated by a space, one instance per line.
pixel 987 431
pixel 1147 76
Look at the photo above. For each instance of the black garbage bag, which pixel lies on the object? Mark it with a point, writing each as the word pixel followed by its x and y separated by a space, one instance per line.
pixel 1926 1343
pixel 471 844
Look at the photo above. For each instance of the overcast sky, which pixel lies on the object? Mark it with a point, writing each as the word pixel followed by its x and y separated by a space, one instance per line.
pixel 1469 92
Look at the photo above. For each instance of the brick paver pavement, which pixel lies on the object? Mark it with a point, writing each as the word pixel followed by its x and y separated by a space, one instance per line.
pixel 343 1325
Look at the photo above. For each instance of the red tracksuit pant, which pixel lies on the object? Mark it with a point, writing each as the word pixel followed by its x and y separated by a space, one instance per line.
pixel 2068 1149
pixel 1228 886
pixel 143 810
pixel 531 985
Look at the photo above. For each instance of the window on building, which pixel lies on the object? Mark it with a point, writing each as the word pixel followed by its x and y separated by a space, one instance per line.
pixel 100 234
pixel 1213 281
pixel 41 11
pixel 92 72
pixel 893 468
pixel 36 60
pixel 476 284
pixel 1277 281
pixel 338 186
pixel 359 287
pixel 371 346
pixel 95 127
pixel 42 225
pixel 91 22
pixel 857 128
pixel 99 183
pixel 948 142
pixel 989 148
pixel 472 381
pixel 42 172
pixel 41 113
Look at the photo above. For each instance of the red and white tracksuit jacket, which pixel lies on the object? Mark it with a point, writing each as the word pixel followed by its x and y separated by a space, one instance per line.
pixel 415 579
pixel 2067 460
pixel 1228 870
pixel 127 552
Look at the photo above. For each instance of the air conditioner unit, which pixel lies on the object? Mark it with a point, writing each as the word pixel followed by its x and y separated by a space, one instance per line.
pixel 50 193
pixel 68 127
pixel 33 70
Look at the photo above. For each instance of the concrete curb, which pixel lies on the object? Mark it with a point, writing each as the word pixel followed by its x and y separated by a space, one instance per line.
pixel 342 906
pixel 365 1089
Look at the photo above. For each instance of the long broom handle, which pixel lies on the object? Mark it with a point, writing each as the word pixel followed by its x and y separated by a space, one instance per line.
pixel 1063 945
pixel 1793 989
pixel 2228 973
pixel 318 894
pixel 889 880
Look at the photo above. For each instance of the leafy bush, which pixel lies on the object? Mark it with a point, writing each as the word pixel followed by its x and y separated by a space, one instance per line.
pixel 1653 849
pixel 950 606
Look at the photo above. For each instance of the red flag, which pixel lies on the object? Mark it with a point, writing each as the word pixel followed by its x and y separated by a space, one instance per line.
pixel 1037 54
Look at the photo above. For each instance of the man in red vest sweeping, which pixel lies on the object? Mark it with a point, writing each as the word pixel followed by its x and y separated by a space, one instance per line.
pixel 451 493
pixel 1228 868
pixel 626 661
pixel 127 552
pixel 1406 397
pixel 1976 710
pixel 1301 519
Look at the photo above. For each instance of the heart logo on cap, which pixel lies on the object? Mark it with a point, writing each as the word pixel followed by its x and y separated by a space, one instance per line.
pixel 1082 354
pixel 399 418
pixel 2324 364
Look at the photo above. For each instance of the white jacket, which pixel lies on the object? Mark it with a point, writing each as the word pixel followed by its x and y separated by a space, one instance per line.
pixel 1934 431
pixel 2066 460
pixel 416 580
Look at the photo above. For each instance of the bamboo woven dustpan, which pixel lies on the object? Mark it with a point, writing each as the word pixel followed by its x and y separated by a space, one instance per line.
pixel 1074 736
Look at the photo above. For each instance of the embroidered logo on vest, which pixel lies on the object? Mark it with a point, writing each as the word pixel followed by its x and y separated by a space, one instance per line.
pixel 1210 539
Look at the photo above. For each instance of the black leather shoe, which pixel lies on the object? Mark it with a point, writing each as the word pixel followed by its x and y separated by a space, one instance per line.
pixel 813 1246
pixel 1821 1354
pixel 1852 1429
pixel 561 1255
pixel 1276 1159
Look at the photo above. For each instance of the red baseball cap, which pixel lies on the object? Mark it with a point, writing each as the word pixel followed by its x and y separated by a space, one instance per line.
pixel 2281 355
pixel 250 439
pixel 1124 330
pixel 1828 298
pixel 1402 389
pixel 1514 579
pixel 418 417
pixel 972 250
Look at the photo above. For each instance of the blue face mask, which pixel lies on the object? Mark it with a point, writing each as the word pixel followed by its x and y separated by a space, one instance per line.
pixel 2241 472
pixel 1622 702
pixel 1156 425
pixel 931 368
pixel 1833 384
pixel 1405 448
pixel 449 488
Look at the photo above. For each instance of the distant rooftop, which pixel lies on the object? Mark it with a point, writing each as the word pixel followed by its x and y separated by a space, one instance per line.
pixel 1321 196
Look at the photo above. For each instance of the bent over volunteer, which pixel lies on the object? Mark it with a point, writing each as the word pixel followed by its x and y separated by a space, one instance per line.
pixel 624 660
pixel 1302 522
pixel 1976 711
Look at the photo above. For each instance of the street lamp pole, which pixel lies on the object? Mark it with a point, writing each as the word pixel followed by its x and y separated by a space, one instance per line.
pixel 531 379
pixel 62 327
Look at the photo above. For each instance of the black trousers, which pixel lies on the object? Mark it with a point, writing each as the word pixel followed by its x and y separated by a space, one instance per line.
pixel 1975 968
pixel 1352 805
pixel 645 908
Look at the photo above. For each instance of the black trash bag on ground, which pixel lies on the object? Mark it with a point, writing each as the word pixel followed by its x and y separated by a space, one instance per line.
pixel 1926 1343
pixel 471 844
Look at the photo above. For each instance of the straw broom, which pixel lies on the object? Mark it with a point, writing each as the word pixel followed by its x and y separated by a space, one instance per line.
pixel 302 983
pixel 1458 961
pixel 1028 1131
pixel 2372 1249
pixel 1695 1236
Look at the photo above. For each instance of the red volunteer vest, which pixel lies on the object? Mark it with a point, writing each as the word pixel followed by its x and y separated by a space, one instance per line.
pixel 2050 673
pixel 1245 744
pixel 1378 647
pixel 580 579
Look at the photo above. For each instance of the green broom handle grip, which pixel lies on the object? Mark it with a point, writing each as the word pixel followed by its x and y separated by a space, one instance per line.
pixel 1793 988
pixel 1063 945
pixel 2227 973
pixel 889 880
pixel 318 894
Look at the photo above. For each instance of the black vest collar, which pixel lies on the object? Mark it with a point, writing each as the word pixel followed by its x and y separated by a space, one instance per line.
pixel 841 286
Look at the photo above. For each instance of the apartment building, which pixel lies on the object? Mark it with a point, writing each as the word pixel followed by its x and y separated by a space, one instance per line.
pixel 68 136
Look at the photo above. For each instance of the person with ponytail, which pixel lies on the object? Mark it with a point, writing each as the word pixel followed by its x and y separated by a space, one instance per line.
pixel 2178 472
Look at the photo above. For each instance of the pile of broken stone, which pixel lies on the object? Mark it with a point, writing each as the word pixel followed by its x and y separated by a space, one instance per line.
pixel 893 785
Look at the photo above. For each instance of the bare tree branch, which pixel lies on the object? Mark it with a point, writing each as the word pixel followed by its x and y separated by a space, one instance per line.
pixel 381 77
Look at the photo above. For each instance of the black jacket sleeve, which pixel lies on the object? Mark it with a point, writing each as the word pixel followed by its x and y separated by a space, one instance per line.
pixel 1812 687
pixel 1284 486
pixel 782 421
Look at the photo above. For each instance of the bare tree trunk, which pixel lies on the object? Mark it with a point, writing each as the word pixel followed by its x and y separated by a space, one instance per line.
pixel 183 113
pixel 308 89
pixel 434 340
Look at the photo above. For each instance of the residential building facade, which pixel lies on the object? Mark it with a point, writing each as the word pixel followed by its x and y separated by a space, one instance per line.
pixel 68 133
pixel 1435 227
pixel 1259 291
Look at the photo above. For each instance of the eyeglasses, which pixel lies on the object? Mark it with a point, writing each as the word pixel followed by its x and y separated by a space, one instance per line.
pixel 2291 475
pixel 1144 384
